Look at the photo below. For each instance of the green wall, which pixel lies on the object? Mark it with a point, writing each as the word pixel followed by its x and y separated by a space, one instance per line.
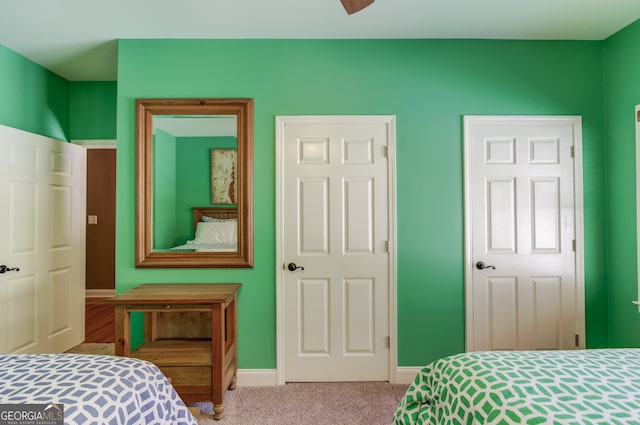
pixel 622 88
pixel 193 171
pixel 182 170
pixel 93 110
pixel 37 100
pixel 429 85
pixel 164 194
pixel 32 98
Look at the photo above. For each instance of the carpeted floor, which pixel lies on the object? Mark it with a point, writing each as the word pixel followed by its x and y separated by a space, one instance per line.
pixel 331 403
pixel 334 403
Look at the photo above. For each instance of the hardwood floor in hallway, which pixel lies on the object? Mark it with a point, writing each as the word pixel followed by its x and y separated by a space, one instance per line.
pixel 99 321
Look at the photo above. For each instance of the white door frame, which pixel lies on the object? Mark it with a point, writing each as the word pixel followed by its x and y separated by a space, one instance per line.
pixel 281 122
pixel 576 121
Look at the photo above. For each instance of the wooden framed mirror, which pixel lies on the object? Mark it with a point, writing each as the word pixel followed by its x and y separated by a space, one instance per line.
pixel 194 183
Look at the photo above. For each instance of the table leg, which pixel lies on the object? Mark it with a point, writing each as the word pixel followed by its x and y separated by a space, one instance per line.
pixel 232 337
pixel 218 411
pixel 122 331
pixel 217 367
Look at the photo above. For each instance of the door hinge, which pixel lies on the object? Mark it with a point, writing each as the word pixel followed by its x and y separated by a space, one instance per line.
pixel 385 152
pixel 387 342
pixel 573 245
pixel 386 246
pixel 573 152
pixel 577 340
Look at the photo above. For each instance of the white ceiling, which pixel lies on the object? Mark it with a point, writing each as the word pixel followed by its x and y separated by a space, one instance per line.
pixel 76 38
pixel 197 126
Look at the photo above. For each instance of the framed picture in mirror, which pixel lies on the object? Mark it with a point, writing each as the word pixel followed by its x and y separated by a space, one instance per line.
pixel 224 168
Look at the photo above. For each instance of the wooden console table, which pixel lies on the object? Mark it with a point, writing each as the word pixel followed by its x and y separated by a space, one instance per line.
pixel 189 333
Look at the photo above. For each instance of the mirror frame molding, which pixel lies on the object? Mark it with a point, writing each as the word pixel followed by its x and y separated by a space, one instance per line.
pixel 145 255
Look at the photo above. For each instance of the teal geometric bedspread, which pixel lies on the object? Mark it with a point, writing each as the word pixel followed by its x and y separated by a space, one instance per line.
pixel 526 387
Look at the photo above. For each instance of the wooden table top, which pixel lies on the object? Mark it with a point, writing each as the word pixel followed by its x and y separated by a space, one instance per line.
pixel 187 293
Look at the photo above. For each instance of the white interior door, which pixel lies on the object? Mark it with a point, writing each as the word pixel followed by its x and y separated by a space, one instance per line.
pixel 335 225
pixel 521 224
pixel 42 183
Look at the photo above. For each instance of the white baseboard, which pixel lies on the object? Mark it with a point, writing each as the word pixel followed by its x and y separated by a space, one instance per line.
pixel 406 374
pixel 269 377
pixel 99 293
pixel 257 378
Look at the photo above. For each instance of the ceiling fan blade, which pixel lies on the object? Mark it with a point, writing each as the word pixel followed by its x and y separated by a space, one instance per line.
pixel 353 6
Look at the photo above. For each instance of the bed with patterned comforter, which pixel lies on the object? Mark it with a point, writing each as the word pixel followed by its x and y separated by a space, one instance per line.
pixel 526 387
pixel 93 389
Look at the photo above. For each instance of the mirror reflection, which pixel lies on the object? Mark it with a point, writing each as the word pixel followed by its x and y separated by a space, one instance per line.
pixel 195 164
pixel 194 183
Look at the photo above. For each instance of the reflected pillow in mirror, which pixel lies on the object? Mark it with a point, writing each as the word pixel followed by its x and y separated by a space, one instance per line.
pixel 217 232
pixel 217 220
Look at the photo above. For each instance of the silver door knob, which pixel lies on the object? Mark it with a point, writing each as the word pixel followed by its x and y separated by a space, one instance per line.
pixel 480 265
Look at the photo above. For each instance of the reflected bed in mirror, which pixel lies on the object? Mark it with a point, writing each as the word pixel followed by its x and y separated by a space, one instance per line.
pixel 216 230
pixel 194 152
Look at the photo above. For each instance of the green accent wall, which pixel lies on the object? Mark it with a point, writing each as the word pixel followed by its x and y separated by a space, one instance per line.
pixel 37 100
pixel 93 107
pixel 193 171
pixel 182 180
pixel 429 85
pixel 622 88
pixel 164 194
pixel 32 98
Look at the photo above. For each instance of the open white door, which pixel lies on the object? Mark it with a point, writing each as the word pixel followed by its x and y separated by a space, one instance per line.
pixel 336 221
pixel 524 284
pixel 42 185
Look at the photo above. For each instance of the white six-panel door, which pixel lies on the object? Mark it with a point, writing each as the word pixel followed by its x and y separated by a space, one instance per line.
pixel 335 212
pixel 42 187
pixel 521 223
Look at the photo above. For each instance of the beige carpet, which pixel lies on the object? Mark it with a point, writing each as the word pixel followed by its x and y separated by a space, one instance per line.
pixel 344 403
pixel 335 403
